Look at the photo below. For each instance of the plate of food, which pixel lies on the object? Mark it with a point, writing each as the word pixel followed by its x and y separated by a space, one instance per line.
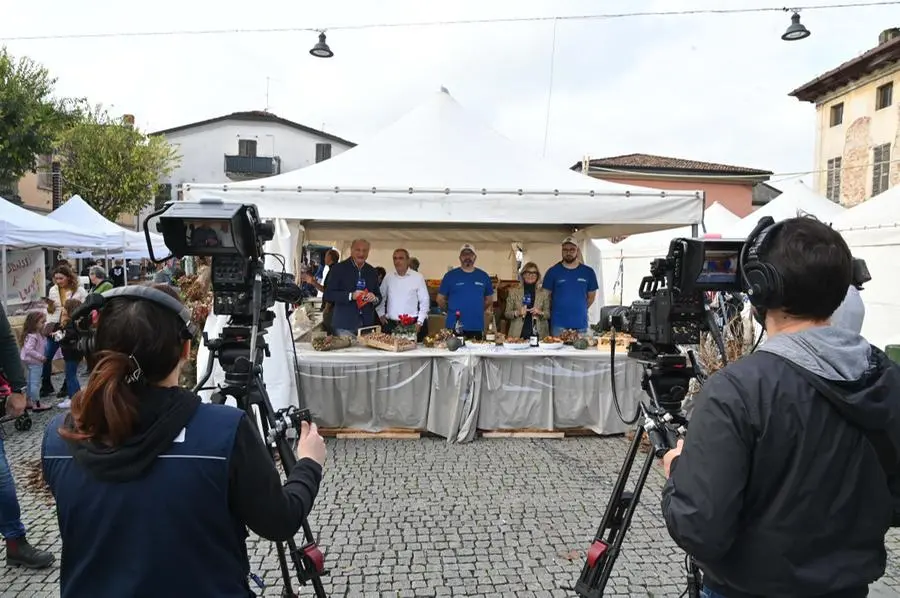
pixel 515 344
pixel 552 342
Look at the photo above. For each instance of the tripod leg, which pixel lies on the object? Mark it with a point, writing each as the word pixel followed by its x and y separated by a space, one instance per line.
pixel 609 525
pixel 287 591
pixel 616 521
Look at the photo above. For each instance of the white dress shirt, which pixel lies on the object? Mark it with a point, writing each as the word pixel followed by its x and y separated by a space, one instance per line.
pixel 407 294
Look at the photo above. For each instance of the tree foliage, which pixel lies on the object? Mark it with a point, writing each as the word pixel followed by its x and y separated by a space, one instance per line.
pixel 30 118
pixel 111 164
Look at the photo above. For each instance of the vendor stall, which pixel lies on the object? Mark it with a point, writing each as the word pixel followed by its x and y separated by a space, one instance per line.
pixel 434 179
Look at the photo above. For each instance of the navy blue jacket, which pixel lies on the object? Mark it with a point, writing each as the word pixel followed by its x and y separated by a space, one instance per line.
pixel 142 539
pixel 344 279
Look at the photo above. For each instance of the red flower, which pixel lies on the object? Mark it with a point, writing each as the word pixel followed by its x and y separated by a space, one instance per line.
pixel 407 320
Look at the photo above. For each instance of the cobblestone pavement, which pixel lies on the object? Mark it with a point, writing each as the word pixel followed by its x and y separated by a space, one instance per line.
pixel 504 517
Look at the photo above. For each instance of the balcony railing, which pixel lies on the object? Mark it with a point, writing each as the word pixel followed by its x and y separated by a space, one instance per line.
pixel 251 165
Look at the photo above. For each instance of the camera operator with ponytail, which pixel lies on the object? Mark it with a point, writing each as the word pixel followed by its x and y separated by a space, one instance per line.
pixel 154 489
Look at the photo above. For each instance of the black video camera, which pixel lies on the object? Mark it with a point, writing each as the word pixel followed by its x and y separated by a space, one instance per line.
pixel 233 236
pixel 672 310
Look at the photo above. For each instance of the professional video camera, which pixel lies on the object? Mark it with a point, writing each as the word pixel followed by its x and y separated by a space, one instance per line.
pixel 672 310
pixel 233 236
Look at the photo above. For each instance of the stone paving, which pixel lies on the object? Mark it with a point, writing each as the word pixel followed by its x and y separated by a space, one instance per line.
pixel 504 517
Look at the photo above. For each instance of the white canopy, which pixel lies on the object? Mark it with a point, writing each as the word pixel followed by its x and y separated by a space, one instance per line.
pixel 624 264
pixel 716 218
pixel 439 166
pixel 77 212
pixel 23 228
pixel 879 217
pixel 797 200
pixel 872 230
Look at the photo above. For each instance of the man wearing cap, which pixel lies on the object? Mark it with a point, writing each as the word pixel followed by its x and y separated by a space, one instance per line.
pixel 469 291
pixel 573 288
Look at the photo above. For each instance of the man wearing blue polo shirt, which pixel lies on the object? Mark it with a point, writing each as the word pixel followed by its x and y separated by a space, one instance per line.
pixel 469 291
pixel 573 288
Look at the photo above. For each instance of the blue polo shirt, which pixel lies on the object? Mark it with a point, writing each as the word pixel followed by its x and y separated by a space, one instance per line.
pixel 569 289
pixel 465 291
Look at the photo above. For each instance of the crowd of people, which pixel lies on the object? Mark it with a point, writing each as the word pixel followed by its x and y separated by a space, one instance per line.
pixel 356 295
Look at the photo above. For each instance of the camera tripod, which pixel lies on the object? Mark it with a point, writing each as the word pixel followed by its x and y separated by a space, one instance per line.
pixel 665 380
pixel 244 383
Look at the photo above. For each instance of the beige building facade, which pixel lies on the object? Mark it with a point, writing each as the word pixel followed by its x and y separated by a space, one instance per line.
pixel 857 150
pixel 35 192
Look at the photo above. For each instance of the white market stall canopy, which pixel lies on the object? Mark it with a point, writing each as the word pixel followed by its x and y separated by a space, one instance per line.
pixel 716 219
pixel 872 230
pixel 796 200
pixel 438 173
pixel 78 213
pixel 878 219
pixel 23 228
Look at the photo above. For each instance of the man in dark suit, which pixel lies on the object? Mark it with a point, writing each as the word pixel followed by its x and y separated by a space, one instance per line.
pixel 353 288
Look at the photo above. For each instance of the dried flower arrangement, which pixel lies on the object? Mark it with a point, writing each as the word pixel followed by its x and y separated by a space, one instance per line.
pixel 196 293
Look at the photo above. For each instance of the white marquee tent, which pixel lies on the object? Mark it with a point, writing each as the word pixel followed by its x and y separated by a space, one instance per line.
pixel 119 240
pixel 872 230
pixel 21 228
pixel 624 264
pixel 796 200
pixel 436 178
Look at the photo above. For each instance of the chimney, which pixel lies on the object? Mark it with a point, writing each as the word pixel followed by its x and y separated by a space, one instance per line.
pixel 56 185
pixel 128 120
pixel 888 34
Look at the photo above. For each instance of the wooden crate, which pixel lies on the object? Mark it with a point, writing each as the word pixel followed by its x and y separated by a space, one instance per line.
pixel 395 347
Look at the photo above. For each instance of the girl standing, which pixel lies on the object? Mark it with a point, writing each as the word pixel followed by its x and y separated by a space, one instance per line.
pixel 34 346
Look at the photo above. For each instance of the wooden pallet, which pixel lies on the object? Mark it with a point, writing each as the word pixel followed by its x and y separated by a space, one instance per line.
pixel 523 434
pixel 354 434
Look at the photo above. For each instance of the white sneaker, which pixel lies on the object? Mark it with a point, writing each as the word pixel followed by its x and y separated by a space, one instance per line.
pixel 67 403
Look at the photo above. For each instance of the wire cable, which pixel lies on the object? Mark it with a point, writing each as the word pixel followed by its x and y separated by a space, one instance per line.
pixel 413 24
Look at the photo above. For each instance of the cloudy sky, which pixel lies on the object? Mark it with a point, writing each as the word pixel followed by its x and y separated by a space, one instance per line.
pixel 705 87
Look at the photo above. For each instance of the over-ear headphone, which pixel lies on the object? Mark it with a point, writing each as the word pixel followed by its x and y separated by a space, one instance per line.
pixel 762 281
pixel 84 320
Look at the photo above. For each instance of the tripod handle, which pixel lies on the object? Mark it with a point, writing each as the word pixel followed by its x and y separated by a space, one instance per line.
pixel 662 437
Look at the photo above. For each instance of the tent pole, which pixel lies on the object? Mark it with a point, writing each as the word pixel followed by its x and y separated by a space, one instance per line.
pixel 5 288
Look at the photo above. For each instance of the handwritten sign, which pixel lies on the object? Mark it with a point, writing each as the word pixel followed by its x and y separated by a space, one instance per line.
pixel 25 280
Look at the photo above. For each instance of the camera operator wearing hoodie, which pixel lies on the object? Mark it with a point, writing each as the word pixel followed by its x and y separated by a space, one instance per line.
pixel 149 482
pixel 777 490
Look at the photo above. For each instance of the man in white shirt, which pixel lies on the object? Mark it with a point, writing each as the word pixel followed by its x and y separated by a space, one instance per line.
pixel 403 292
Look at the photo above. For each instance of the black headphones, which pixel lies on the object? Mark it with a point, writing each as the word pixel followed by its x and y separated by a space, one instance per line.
pixel 83 316
pixel 762 281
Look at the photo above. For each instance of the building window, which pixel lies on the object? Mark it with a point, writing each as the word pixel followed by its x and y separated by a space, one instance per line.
pixel 881 161
pixel 247 148
pixel 833 185
pixel 837 114
pixel 884 96
pixel 323 152
pixel 44 174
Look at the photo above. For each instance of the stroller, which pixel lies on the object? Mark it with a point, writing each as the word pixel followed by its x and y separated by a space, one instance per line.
pixel 23 422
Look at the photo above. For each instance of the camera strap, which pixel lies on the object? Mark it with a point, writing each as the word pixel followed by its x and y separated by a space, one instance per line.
pixel 879 440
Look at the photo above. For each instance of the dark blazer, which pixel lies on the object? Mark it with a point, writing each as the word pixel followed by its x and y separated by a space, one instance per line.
pixel 341 284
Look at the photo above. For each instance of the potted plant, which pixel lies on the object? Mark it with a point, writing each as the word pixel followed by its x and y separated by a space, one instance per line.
pixel 406 327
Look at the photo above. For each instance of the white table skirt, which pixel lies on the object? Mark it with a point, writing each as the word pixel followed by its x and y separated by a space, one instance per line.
pixel 453 394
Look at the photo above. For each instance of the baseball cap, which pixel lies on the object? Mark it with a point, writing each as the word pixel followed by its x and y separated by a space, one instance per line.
pixel 570 241
pixel 467 247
